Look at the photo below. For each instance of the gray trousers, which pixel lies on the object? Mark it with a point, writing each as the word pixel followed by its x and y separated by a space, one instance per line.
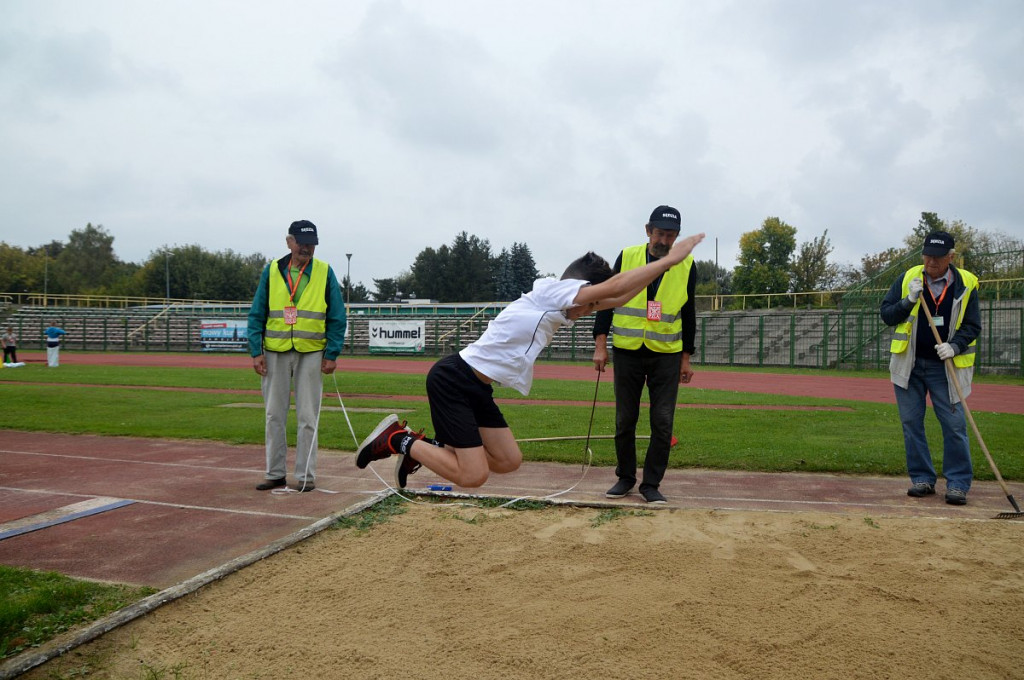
pixel 284 368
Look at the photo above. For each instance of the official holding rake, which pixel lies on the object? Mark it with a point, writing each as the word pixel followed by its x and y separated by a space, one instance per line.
pixel 917 364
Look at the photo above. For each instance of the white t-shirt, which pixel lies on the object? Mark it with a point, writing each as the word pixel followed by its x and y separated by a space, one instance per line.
pixel 515 338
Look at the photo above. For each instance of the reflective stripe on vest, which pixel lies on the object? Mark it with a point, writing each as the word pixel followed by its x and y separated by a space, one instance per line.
pixel 630 327
pixel 901 336
pixel 309 332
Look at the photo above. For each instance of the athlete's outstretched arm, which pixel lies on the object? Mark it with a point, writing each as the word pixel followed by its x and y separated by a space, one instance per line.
pixel 624 285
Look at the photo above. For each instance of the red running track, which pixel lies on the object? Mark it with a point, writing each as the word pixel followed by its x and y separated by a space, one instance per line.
pixel 984 397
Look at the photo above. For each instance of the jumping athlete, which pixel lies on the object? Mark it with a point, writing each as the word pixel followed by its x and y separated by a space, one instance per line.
pixel 471 437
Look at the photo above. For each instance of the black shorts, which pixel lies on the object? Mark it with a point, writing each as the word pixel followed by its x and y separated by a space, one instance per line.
pixel 460 403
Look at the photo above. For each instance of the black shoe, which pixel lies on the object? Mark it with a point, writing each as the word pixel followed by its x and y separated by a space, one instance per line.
pixel 621 488
pixel 303 486
pixel 920 489
pixel 956 496
pixel 270 484
pixel 405 466
pixel 652 495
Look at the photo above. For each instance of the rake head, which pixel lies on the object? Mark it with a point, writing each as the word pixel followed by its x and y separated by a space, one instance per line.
pixel 1011 515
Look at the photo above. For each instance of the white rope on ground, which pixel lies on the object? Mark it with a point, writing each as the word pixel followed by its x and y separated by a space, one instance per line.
pixel 587 458
pixel 309 454
pixel 586 464
pixel 337 391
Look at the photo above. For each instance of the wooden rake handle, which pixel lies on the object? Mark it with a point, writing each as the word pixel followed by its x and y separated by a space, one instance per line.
pixel 951 375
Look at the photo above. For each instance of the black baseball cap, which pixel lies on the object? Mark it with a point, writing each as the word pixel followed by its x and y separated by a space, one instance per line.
pixel 937 244
pixel 665 217
pixel 304 232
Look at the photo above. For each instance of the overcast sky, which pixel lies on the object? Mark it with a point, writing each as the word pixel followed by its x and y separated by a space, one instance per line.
pixel 394 125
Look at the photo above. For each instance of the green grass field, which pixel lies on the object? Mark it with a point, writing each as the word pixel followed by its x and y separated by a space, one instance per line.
pixel 858 437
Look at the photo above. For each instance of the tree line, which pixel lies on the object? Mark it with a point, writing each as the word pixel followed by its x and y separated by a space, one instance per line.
pixel 770 262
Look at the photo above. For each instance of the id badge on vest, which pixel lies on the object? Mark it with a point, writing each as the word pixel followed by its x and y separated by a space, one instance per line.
pixel 940 321
pixel 653 310
pixel 291 315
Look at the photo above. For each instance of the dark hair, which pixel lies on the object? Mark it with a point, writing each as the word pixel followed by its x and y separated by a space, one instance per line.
pixel 591 267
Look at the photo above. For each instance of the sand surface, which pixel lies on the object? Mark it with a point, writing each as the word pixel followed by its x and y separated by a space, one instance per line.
pixel 465 592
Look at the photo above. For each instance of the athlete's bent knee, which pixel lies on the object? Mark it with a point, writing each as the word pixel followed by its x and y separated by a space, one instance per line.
pixel 472 480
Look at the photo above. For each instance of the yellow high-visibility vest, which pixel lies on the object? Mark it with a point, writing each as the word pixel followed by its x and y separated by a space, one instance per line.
pixel 309 332
pixel 901 336
pixel 630 326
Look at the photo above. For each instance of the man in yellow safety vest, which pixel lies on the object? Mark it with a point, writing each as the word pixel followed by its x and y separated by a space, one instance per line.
pixel 653 337
pixel 296 332
pixel 917 364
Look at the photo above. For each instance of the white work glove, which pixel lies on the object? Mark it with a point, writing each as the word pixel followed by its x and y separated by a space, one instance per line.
pixel 915 287
pixel 945 351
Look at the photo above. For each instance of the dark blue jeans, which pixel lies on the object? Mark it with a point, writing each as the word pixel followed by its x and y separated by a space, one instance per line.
pixel 660 373
pixel 929 377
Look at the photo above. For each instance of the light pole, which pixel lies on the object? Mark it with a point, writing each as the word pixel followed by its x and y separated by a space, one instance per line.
pixel 348 282
pixel 348 302
pixel 167 274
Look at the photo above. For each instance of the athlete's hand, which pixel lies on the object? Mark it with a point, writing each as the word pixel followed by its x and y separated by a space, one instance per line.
pixel 684 247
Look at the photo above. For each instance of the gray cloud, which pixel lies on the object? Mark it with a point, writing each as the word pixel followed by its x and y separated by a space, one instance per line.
pixel 558 125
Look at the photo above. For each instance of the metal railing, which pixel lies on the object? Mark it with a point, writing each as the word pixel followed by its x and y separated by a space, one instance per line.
pixel 823 339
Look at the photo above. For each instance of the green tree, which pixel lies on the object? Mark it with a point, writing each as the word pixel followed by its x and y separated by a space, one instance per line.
pixel 874 264
pixel 192 273
pixel 469 276
pixel 87 265
pixel 996 255
pixel 523 267
pixel 428 271
pixel 504 283
pixel 462 272
pixel 764 258
pixel 712 279
pixel 515 272
pixel 405 283
pixel 386 290
pixel 354 293
pixel 20 272
pixel 810 268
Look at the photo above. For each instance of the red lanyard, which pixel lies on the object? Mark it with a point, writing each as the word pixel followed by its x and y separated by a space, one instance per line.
pixel 294 287
pixel 945 287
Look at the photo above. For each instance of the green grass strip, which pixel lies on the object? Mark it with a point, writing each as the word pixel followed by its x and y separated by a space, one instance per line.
pixel 36 606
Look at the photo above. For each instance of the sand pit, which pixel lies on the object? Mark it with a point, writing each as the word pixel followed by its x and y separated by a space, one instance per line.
pixel 587 593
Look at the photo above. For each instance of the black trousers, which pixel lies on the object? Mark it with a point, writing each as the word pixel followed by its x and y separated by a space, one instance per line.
pixel 660 373
pixel 11 352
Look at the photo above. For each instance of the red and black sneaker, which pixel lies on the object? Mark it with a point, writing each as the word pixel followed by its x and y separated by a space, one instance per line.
pixel 406 465
pixel 378 444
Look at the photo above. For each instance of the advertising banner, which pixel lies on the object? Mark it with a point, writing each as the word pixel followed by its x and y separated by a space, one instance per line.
pixel 224 335
pixel 397 336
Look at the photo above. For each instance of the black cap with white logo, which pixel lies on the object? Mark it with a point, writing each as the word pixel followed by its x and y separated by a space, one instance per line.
pixel 665 217
pixel 304 232
pixel 937 244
